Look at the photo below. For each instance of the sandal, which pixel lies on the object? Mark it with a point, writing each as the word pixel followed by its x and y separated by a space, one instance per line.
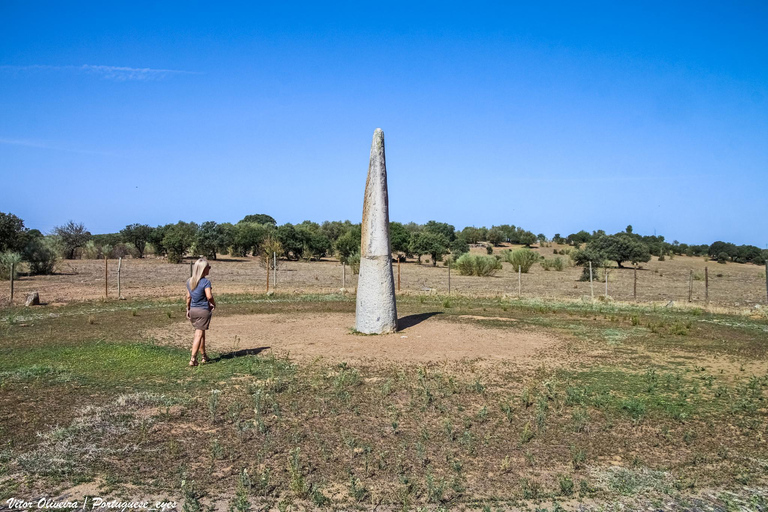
pixel 193 362
pixel 204 359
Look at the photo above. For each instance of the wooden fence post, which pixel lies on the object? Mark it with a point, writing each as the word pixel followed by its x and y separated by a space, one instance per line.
pixel 274 270
pixel 634 291
pixel 119 265
pixel 519 280
pixel 449 277
pixel 13 269
pixel 605 270
pixel 190 268
pixel 398 273
pixel 106 277
pixel 343 275
pixel 706 284
pixel 690 286
pixel 267 258
pixel 591 287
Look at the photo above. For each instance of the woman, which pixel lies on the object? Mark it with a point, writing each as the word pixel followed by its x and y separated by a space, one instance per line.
pixel 200 305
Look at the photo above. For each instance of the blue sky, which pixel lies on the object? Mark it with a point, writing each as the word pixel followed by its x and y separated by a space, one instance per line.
pixel 552 116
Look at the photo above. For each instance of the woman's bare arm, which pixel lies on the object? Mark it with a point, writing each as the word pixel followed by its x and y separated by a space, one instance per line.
pixel 189 302
pixel 209 296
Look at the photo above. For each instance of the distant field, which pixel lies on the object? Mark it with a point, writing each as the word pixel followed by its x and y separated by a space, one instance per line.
pixel 731 285
pixel 476 404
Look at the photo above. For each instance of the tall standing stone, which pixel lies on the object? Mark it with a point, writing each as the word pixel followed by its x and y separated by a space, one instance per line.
pixel 376 310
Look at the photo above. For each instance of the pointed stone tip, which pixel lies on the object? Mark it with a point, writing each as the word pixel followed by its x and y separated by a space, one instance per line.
pixel 378 132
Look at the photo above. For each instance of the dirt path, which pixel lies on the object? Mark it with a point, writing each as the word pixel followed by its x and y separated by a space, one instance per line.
pixel 423 338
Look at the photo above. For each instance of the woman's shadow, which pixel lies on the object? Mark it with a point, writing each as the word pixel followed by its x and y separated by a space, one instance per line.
pixel 239 353
pixel 411 320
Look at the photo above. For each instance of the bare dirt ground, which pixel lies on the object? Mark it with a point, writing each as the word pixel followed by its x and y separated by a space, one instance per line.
pixel 423 338
pixel 731 285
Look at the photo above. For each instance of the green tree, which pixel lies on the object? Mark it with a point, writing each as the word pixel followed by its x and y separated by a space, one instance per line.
pixel 495 236
pixel 72 236
pixel 459 247
pixel 206 240
pixel 441 228
pixel 12 233
pixel 471 234
pixel 248 237
pixel 399 239
pixel 156 239
pixel 259 218
pixel 178 240
pixel 526 238
pixel 621 247
pixel 348 244
pixel 717 249
pixel 434 244
pixel 138 235
pixel 291 240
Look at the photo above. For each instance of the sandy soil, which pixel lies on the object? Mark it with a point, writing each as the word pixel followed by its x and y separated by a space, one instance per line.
pixel 734 285
pixel 423 338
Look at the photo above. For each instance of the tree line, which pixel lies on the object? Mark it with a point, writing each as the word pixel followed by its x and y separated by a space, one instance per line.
pixel 260 235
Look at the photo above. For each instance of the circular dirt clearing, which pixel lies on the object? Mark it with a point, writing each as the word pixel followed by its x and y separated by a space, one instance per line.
pixel 422 338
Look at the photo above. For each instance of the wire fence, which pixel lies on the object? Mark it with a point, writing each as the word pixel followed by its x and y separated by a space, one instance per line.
pixel 682 280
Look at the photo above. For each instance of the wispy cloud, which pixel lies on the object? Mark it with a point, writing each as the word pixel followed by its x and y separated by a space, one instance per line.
pixel 45 145
pixel 117 73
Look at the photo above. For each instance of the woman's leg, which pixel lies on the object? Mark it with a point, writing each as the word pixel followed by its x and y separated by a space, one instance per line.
pixel 199 333
pixel 202 346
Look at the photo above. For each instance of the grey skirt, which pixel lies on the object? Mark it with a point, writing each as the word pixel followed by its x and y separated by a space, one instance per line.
pixel 200 318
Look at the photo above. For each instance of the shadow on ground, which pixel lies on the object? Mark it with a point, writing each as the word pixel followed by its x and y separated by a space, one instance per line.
pixel 240 353
pixel 411 320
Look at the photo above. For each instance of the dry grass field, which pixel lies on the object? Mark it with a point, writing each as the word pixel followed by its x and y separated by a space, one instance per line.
pixel 731 285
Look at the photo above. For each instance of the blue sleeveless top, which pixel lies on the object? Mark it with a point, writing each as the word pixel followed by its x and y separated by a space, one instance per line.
pixel 199 299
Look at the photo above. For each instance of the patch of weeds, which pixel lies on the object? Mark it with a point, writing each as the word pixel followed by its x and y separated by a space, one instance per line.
pixel 38 372
pixel 435 489
pixel 526 434
pixel 631 481
pixel 531 489
pixel 317 497
pixel 566 485
pixel 634 407
pixel 241 501
pixel 580 418
pixel 298 484
pixel 213 404
pixel 506 408
pixel 578 457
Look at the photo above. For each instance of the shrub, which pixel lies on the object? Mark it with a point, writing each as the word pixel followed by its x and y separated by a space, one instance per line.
pixel 354 262
pixel 90 251
pixel 123 250
pixel 522 258
pixel 40 253
pixel 553 263
pixel 489 249
pixel 7 259
pixel 722 258
pixel 477 265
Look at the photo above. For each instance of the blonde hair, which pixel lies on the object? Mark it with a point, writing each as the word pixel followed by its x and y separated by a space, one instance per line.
pixel 197 273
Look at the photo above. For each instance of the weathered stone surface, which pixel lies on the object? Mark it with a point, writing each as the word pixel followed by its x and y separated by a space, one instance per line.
pixel 376 308
pixel 33 299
